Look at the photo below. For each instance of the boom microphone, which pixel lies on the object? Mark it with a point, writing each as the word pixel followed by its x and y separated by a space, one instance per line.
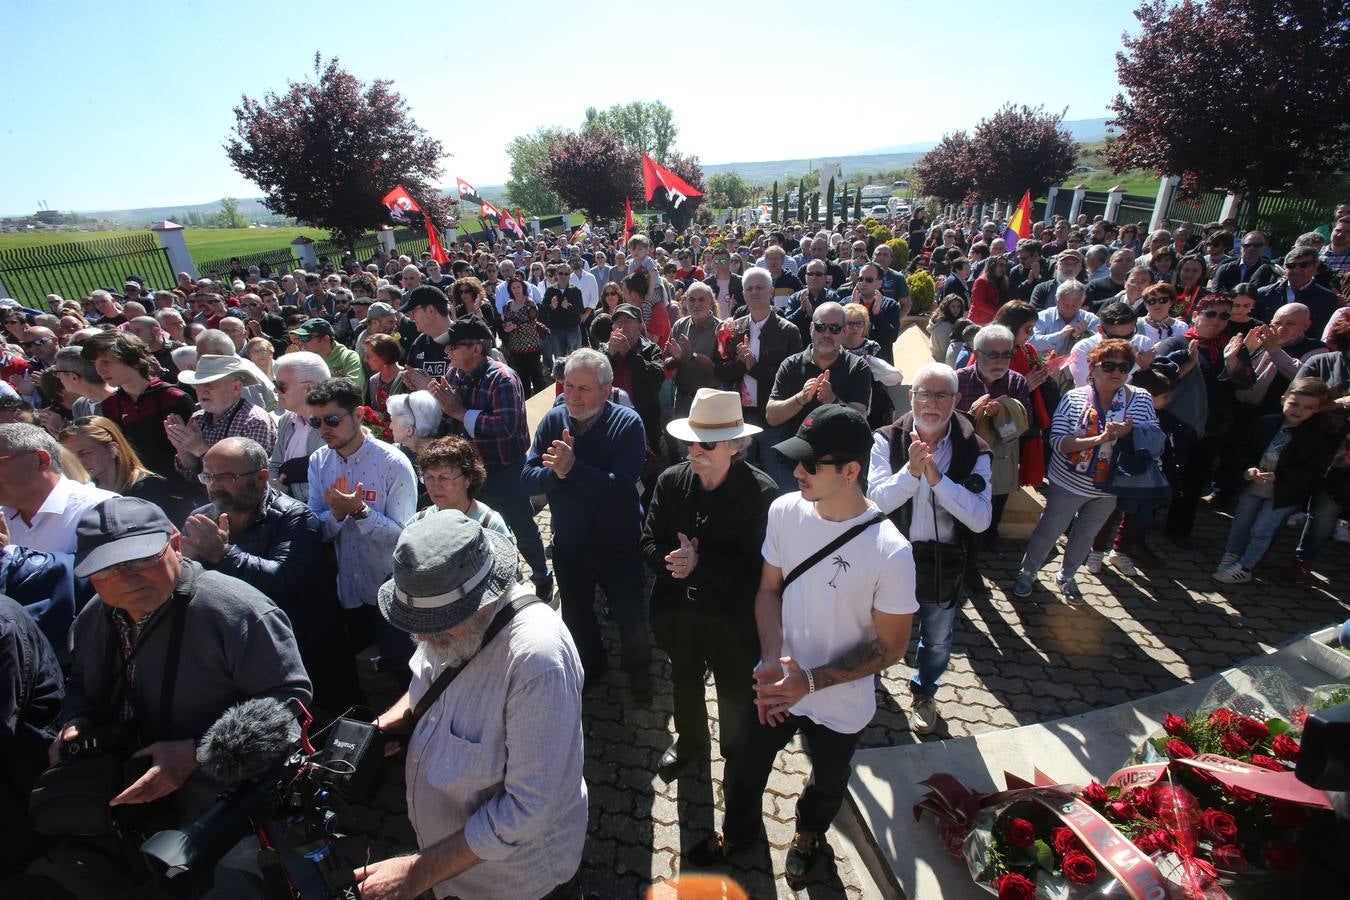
pixel 248 739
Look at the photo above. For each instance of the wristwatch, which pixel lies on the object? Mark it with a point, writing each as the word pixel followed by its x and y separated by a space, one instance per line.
pixel 361 513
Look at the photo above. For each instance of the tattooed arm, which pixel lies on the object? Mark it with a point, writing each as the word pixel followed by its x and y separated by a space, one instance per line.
pixel 869 657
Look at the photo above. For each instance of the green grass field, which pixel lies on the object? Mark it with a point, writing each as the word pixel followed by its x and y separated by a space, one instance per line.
pixel 203 243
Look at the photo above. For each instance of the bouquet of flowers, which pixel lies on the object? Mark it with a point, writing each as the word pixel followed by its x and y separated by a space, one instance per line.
pixel 376 423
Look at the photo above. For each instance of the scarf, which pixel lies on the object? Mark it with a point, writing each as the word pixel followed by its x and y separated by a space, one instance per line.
pixel 1096 461
pixel 1212 348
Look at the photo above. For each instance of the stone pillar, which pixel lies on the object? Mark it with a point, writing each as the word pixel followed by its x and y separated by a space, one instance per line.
pixel 1232 206
pixel 170 237
pixel 534 226
pixel 1167 187
pixel 1050 196
pixel 1079 192
pixel 1113 198
pixel 385 236
pixel 304 251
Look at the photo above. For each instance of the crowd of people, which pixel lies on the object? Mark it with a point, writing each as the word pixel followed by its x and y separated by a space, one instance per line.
pixel 289 470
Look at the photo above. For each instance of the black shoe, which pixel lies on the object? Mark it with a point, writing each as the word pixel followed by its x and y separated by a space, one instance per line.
pixel 713 850
pixel 802 857
pixel 676 757
pixel 543 588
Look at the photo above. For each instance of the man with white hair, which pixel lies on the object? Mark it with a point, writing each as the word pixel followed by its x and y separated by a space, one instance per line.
pixel 411 279
pixel 41 506
pixel 785 284
pixel 587 456
pixel 931 473
pixel 692 347
pixel 1058 328
pixel 296 374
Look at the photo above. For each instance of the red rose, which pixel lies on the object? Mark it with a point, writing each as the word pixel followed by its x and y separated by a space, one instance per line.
pixel 1142 799
pixel 1014 887
pixel 1222 718
pixel 1148 842
pixel 1239 795
pixel 1283 857
pixel 1285 747
pixel 1252 729
pixel 1179 749
pixel 1065 841
pixel 1288 815
pixel 1121 810
pixel 1219 825
pixel 1234 745
pixel 1261 761
pixel 1229 857
pixel 1019 833
pixel 1095 794
pixel 1174 725
pixel 1080 868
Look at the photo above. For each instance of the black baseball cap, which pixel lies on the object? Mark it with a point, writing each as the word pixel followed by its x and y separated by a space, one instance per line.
pixel 426 295
pixel 830 429
pixel 469 328
pixel 628 309
pixel 119 530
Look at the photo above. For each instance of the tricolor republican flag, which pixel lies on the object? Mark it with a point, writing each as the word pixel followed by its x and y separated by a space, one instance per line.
pixel 654 176
pixel 1019 226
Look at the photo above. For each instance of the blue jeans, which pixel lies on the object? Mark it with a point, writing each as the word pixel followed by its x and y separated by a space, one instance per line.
pixel 935 646
pixel 1256 521
pixel 503 492
pixel 565 340
pixel 1323 511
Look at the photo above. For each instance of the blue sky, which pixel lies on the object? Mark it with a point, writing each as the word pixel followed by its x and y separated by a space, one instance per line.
pixel 112 105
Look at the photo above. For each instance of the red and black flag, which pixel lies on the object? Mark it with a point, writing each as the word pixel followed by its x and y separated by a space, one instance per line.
pixel 467 192
pixel 654 176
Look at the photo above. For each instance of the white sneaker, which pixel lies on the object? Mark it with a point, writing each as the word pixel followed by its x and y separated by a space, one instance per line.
pixel 1297 520
pixel 1094 562
pixel 1226 561
pixel 1343 532
pixel 1122 563
pixel 923 715
pixel 1234 574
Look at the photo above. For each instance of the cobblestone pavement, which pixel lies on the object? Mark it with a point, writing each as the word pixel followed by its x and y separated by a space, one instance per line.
pixel 1013 663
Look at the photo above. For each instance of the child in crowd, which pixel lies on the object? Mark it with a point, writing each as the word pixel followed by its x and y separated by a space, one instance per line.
pixel 1286 456
pixel 962 346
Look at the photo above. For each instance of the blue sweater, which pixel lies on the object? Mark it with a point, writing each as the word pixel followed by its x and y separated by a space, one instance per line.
pixel 597 503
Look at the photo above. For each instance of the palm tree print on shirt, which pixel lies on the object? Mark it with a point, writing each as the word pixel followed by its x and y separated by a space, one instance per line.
pixel 841 565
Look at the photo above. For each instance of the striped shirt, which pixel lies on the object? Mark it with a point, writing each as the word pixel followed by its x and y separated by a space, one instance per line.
pixel 1070 420
pixel 1338 262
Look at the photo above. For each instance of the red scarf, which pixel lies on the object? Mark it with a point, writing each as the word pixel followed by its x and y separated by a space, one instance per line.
pixel 1211 347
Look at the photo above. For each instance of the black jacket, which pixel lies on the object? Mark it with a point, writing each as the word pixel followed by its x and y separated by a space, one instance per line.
pixel 777 341
pixel 1302 464
pixel 729 523
pixel 1321 302
pixel 646 372
pixel 1229 275
pixel 735 289
pixel 282 555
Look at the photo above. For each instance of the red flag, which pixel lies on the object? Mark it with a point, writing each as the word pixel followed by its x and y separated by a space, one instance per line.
pixel 400 202
pixel 653 177
pixel 627 219
pixel 434 241
pixel 467 191
pixel 520 219
pixel 510 224
pixel 488 211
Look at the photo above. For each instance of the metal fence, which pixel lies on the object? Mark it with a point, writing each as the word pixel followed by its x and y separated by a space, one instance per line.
pixel 277 262
pixel 335 251
pixel 1199 210
pixel 74 269
pixel 411 243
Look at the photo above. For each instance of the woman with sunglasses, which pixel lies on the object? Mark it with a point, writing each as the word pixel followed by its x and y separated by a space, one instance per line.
pixel 1128 240
pixel 1087 426
pixel 15 322
pixel 113 465
pixel 1158 323
pixel 611 298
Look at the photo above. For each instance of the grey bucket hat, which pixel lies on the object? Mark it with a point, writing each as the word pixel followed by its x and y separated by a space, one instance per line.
pixel 446 568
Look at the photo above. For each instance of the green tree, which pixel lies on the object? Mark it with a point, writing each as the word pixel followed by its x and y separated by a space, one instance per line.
pixel 526 188
pixel 775 204
pixel 229 215
pixel 829 205
pixel 643 127
pixel 728 189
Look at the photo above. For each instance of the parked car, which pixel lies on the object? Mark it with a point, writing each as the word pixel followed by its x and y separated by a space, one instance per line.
pixel 880 211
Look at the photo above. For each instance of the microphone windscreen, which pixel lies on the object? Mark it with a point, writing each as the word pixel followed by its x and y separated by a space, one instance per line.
pixel 248 739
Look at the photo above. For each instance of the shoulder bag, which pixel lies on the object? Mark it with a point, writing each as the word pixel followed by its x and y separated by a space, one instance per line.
pixel 829 548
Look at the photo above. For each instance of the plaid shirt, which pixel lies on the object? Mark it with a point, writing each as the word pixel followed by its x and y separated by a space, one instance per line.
pixel 971 387
pixel 495 413
pixel 1337 262
pixel 241 420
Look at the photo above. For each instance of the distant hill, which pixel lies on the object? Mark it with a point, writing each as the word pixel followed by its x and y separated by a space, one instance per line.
pixel 855 168
pixel 1084 131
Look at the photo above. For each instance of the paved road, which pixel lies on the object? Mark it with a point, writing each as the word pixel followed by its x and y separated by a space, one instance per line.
pixel 1014 663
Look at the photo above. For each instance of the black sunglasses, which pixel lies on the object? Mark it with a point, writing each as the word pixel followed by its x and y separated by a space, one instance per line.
pixel 1114 366
pixel 707 445
pixel 332 420
pixel 1211 313
pixel 811 465
pixel 822 327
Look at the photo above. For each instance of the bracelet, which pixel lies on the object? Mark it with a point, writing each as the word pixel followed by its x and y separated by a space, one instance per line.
pixel 810 682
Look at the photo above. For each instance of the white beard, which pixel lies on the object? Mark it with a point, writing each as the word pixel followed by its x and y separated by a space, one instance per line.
pixel 445 650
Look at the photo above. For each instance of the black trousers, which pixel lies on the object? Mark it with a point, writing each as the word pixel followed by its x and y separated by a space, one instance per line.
pixel 1192 483
pixel 747 774
pixel 696 641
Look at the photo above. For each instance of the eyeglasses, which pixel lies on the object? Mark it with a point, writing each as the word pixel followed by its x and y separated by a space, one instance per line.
pixel 332 420
pixel 855 323
pixel 1211 313
pixel 869 278
pixel 131 565
pixel 1121 367
pixel 811 465
pixel 997 354
pixel 227 479
pixel 706 445
pixel 933 396
pixel 1306 264
pixel 831 327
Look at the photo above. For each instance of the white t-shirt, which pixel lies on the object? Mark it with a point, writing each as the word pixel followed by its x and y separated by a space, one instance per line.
pixel 828 609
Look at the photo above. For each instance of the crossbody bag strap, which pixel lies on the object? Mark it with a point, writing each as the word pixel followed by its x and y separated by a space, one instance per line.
pixel 171 664
pixel 831 547
pixel 499 621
